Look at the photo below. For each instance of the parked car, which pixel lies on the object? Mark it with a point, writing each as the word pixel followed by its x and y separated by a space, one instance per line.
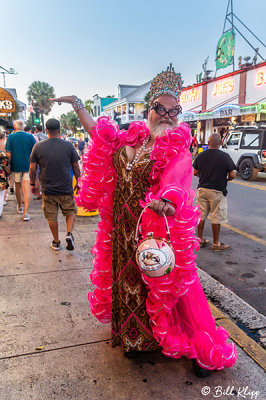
pixel 246 145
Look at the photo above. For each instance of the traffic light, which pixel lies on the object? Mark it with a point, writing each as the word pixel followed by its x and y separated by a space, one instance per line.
pixel 37 116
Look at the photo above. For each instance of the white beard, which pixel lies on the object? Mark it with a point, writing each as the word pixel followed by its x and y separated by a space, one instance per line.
pixel 158 129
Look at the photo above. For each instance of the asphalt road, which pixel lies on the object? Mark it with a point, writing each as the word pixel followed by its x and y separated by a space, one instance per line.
pixel 242 268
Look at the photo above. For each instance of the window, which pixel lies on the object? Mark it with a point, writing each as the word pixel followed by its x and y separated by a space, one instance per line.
pixel 251 140
pixel 234 139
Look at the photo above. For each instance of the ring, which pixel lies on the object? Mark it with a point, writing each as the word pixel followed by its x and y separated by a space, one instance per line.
pixel 166 200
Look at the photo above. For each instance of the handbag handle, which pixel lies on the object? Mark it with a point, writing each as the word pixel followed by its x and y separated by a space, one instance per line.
pixel 137 227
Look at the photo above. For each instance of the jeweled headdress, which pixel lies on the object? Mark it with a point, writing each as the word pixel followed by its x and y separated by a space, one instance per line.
pixel 167 82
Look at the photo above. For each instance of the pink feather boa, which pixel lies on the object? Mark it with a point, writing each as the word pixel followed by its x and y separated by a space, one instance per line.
pixel 179 313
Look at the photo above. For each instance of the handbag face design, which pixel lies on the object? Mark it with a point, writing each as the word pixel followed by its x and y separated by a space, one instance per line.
pixel 155 257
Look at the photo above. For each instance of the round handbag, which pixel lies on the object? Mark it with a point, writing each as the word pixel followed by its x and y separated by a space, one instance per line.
pixel 155 256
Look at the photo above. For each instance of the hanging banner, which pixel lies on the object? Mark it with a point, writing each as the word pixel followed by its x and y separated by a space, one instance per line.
pixel 225 50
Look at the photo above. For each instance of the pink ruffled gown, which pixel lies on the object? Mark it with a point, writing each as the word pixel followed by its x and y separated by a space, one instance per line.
pixel 170 311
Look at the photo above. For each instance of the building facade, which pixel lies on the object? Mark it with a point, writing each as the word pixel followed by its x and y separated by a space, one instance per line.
pixel 220 103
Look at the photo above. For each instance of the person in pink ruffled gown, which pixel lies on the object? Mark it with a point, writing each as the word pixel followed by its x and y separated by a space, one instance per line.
pixel 123 172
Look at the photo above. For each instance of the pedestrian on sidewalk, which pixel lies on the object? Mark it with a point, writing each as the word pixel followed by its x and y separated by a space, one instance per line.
pixel 55 157
pixel 81 145
pixel 40 135
pixel 4 171
pixel 124 172
pixel 214 169
pixel 18 148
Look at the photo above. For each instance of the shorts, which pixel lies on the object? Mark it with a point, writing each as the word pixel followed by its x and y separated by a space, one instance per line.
pixel 212 202
pixel 20 176
pixel 51 204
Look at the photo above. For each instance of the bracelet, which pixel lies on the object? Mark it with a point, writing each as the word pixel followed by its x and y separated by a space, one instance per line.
pixel 77 104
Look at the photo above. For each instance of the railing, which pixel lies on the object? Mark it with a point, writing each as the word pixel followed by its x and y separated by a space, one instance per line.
pixel 125 118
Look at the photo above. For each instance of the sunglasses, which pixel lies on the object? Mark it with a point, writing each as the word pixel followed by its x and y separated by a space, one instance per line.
pixel 160 110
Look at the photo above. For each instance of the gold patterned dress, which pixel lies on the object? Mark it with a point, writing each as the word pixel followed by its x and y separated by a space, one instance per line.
pixel 130 321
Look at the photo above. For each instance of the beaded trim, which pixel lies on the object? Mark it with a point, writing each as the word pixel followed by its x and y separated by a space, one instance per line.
pixel 77 104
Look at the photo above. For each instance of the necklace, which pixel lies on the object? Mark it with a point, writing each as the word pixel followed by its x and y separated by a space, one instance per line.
pixel 136 158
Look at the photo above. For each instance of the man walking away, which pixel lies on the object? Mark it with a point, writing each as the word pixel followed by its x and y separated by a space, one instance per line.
pixel 18 150
pixel 81 145
pixel 40 136
pixel 55 157
pixel 214 169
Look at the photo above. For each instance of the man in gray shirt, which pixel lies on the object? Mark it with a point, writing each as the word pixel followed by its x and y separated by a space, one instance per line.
pixel 55 157
pixel 39 134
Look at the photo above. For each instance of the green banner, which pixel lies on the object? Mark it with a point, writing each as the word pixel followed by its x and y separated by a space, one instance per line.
pixel 225 50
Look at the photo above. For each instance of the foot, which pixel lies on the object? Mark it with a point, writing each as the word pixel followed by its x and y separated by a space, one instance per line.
pixel 220 246
pixel 5 203
pixel 26 217
pixel 70 241
pixel 20 210
pixel 56 245
pixel 200 372
pixel 204 243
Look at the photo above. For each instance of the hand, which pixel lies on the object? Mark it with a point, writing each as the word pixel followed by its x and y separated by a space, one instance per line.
pixel 34 190
pixel 160 207
pixel 64 99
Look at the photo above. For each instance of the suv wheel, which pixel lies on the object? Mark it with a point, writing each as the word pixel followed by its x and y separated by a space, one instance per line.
pixel 247 170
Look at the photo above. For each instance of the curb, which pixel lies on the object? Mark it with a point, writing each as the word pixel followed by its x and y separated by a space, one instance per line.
pixel 233 305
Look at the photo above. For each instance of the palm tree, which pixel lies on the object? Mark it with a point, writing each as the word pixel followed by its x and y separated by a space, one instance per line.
pixel 147 99
pixel 72 121
pixel 88 106
pixel 38 95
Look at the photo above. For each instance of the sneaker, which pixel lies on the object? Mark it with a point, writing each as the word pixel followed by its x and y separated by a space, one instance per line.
pixel 70 241
pixel 5 203
pixel 26 217
pixel 20 210
pixel 56 245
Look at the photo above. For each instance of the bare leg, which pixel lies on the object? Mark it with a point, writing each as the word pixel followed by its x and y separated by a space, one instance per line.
pixel 53 225
pixel 26 195
pixel 200 229
pixel 216 233
pixel 70 220
pixel 18 187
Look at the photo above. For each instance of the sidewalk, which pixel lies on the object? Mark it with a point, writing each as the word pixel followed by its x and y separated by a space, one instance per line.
pixel 43 302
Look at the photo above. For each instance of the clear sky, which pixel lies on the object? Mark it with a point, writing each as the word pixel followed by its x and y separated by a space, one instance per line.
pixel 85 47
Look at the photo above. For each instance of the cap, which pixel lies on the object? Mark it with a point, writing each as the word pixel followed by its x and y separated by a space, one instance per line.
pixel 52 124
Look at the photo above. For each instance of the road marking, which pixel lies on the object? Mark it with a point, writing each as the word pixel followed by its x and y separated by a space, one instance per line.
pixel 253 349
pixel 255 186
pixel 247 235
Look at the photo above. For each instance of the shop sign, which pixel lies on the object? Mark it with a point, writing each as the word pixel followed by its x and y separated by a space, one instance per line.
pixel 226 111
pixel 188 116
pixel 189 96
pixel 248 117
pixel 223 87
pixel 260 78
pixel 7 102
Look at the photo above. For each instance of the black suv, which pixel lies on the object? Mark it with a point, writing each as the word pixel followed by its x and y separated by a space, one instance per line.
pixel 246 145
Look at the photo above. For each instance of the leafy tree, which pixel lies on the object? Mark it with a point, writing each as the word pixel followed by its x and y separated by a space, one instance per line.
pixel 109 96
pixel 147 99
pixel 88 106
pixel 72 121
pixel 38 95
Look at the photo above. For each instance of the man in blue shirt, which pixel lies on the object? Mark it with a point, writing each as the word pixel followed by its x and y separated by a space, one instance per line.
pixel 18 149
